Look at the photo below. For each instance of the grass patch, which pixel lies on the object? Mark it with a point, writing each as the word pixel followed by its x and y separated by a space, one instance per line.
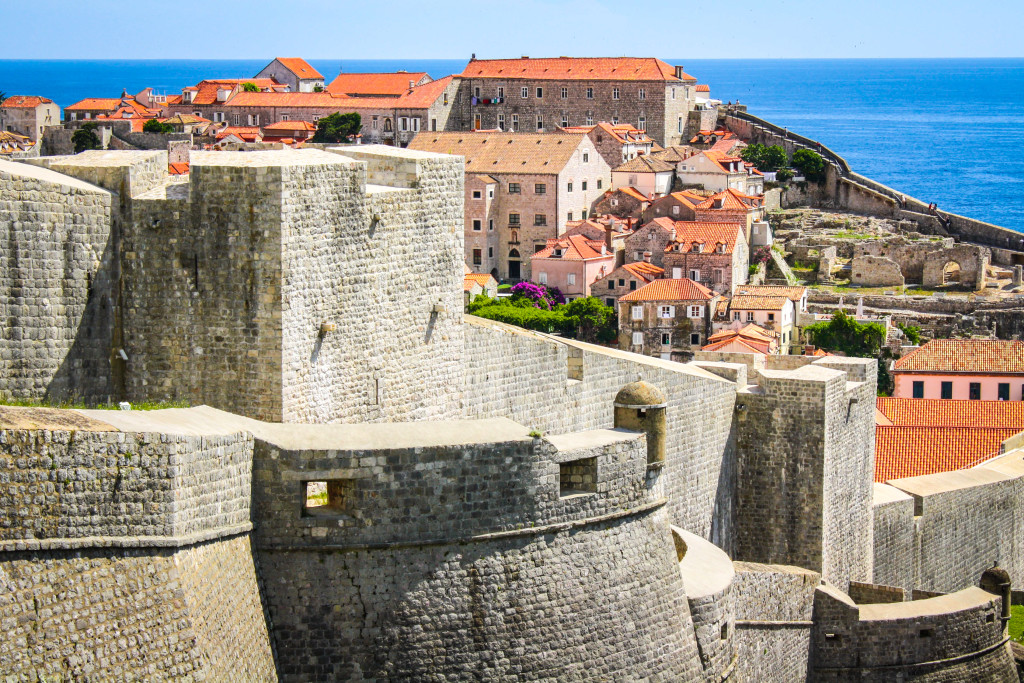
pixel 67 405
pixel 850 235
pixel 1017 623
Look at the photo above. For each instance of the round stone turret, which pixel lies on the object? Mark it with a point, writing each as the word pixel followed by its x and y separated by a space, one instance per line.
pixel 996 580
pixel 641 407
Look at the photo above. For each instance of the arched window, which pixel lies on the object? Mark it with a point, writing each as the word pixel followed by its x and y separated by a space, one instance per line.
pixel 387 125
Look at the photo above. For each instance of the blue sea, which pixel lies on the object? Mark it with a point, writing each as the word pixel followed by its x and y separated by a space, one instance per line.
pixel 949 131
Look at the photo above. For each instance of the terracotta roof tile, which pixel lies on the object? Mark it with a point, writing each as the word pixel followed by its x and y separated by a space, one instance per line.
pixel 758 303
pixel 246 133
pixel 574 248
pixel 575 68
pixel 95 104
pixel 633 192
pixel 300 67
pixel 794 294
pixel 379 84
pixel 533 153
pixel 910 451
pixel 291 125
pixel 701 87
pixel 751 336
pixel 644 270
pixel 645 164
pixel 665 289
pixel 975 356
pixel 24 102
pixel 730 200
pixel 938 412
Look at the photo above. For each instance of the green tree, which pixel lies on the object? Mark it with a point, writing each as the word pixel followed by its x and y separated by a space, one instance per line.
pixel 3 96
pixel 337 127
pixel 154 126
pixel 764 158
pixel 593 321
pixel 912 333
pixel 85 138
pixel 810 164
pixel 844 334
pixel 250 87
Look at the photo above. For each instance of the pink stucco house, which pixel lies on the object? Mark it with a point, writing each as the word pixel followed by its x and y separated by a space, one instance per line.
pixel 977 369
pixel 572 263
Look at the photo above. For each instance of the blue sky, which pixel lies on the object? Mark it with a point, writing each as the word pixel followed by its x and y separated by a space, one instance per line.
pixel 445 29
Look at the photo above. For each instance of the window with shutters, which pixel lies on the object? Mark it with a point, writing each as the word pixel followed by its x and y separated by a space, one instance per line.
pixel 638 339
pixel 524 92
pixel 667 312
pixel 565 93
pixel 750 316
pixel 542 278
pixel 696 311
pixel 615 93
pixel 666 339
pixel 571 278
pixel 637 312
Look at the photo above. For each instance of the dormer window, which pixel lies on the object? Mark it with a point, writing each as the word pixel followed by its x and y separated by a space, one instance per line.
pixel 697 248
pixel 720 248
pixel 558 253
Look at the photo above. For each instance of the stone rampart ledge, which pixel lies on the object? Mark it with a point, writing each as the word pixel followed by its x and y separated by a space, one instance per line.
pixel 674 366
pixel 961 601
pixel 478 538
pixel 917 665
pixel 31 544
pixel 706 569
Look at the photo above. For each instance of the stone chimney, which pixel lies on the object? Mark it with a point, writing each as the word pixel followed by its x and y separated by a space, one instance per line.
pixel 647 257
pixel 608 235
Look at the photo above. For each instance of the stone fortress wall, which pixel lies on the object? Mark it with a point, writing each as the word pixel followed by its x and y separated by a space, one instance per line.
pixel 446 549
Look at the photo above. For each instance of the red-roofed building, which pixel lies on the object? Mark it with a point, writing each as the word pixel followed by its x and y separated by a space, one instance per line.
pixel 239 134
pixel 911 451
pixel 91 107
pixel 288 132
pixel 668 318
pixel 572 263
pixel 626 278
pixel 474 284
pixel 28 115
pixel 718 172
pixel 678 206
pixel 648 242
pixel 714 254
pixel 748 339
pixel 294 72
pixel 974 369
pixel 624 202
pixel 377 85
pixel 929 412
pixel 542 94
pixel 618 142
pixel 647 175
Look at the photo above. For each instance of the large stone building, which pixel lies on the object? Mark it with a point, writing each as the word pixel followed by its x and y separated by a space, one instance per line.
pixel 714 254
pixel 533 95
pixel 521 190
pixel 28 115
pixel 487 502
pixel 668 318
pixel 294 72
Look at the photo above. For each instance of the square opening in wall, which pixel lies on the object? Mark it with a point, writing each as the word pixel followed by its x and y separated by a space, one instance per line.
pixel 577 477
pixel 330 497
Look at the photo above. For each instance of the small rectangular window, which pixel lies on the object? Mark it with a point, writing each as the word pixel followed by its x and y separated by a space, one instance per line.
pixel 540 123
pixel 583 186
pixel 565 93
pixel 540 188
pixel 667 312
pixel 638 339
pixel 975 390
pixel 490 224
pixel 501 121
pixel 637 312
pixel 599 183
pixel 569 216
pixel 571 278
pixel 642 94
pixel 477 194
pixel 577 477
pixel 918 389
pixel 540 93
pixel 611 284
pixel 513 188
pixel 540 219
pixel 695 338
pixel 771 317
pixel 490 252
pixel 477 257
pixel 696 311
pixel 1004 391
pixel 513 219
pixel 590 93
pixel 524 92
pixel 586 158
pixel 569 187
pixel 666 339
pixel 609 302
pixel 615 93
pixel 947 390
pixel 750 316
pixel 542 278
pixel 477 224
pixel 501 91
pixel 330 497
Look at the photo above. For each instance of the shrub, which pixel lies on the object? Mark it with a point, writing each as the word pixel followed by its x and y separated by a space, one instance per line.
pixel 337 127
pixel 810 164
pixel 783 175
pixel 85 138
pixel 154 126
pixel 764 158
pixel 250 87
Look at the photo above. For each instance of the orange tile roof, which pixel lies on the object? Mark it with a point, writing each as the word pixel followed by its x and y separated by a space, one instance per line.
pixel 751 336
pixel 300 67
pixel 794 294
pixel 701 87
pixel 665 223
pixel 246 133
pixel 24 102
pixel 183 119
pixel 938 412
pixel 206 91
pixel 973 356
pixel 644 270
pixel 322 100
pixel 178 168
pixel 393 84
pixel 665 289
pixel 291 125
pixel 732 200
pixel 632 192
pixel 910 451
pixel 718 158
pixel 644 164
pixel 95 104
pixel 531 153
pixel 673 154
pixel 758 303
pixel 574 248
pixel 709 234
pixel 575 68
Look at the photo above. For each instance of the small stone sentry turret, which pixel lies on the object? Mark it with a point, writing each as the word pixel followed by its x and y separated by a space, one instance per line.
pixel 996 580
pixel 641 407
